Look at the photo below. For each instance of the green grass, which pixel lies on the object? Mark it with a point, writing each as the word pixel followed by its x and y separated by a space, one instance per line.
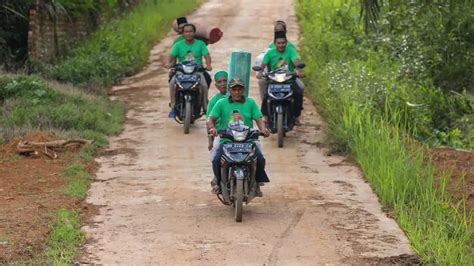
pixel 363 95
pixel 439 229
pixel 121 47
pixel 28 103
pixel 372 70
pixel 118 49
pixel 78 180
pixel 66 237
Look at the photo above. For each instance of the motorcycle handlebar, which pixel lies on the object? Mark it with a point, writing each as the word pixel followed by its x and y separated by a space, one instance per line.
pixel 223 133
pixel 199 67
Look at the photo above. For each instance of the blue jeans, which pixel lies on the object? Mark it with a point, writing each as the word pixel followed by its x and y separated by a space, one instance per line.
pixel 261 175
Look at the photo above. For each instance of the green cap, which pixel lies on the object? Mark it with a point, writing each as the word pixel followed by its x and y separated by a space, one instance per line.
pixel 220 74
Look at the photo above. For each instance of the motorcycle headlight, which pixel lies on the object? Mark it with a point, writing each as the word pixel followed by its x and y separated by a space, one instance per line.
pixel 250 155
pixel 239 135
pixel 188 69
pixel 198 81
pixel 237 157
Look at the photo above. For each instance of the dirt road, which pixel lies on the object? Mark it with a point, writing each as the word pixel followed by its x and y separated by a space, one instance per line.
pixel 153 183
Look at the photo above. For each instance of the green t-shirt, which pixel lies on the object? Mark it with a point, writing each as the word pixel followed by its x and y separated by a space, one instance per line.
pixel 213 101
pixel 178 39
pixel 289 44
pixel 275 59
pixel 224 111
pixel 189 52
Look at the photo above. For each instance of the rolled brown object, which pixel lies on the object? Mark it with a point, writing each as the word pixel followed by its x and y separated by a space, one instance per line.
pixel 208 34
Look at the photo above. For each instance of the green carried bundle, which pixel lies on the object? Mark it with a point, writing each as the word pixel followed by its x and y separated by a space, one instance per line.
pixel 239 66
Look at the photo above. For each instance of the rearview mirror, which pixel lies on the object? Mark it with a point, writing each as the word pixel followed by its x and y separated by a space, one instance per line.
pixel 301 66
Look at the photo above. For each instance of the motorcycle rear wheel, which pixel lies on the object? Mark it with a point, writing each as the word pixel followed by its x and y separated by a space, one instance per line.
pixel 239 199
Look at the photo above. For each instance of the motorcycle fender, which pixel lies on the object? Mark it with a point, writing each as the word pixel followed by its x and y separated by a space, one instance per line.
pixel 239 173
pixel 279 109
pixel 188 97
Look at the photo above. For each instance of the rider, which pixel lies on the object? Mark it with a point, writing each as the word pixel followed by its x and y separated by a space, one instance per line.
pixel 190 49
pixel 220 79
pixel 279 25
pixel 227 109
pixel 282 56
pixel 178 28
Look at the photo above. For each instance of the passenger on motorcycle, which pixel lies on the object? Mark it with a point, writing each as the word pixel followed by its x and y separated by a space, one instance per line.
pixel 220 81
pixel 178 28
pixel 190 49
pixel 282 56
pixel 280 25
pixel 229 110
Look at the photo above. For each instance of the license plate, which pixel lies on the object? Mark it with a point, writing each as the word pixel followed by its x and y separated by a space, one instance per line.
pixel 279 88
pixel 238 147
pixel 187 78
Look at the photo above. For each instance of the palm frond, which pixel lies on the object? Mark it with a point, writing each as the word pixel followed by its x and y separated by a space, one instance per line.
pixel 14 12
pixel 370 13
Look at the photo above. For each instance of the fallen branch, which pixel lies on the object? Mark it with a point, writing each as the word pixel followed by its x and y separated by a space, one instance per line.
pixel 48 148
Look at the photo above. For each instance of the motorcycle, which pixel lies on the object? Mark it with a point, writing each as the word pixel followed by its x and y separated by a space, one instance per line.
pixel 238 168
pixel 280 100
pixel 188 103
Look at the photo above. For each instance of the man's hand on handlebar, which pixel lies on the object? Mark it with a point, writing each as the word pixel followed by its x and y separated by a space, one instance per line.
pixel 213 132
pixel 266 133
pixel 300 73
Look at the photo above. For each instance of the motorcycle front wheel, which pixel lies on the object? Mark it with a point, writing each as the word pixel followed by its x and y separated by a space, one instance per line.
pixel 187 116
pixel 280 130
pixel 239 199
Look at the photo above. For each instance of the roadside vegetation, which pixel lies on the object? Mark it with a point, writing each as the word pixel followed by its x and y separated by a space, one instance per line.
pixel 29 103
pixel 121 47
pixel 14 23
pixel 66 238
pixel 389 89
